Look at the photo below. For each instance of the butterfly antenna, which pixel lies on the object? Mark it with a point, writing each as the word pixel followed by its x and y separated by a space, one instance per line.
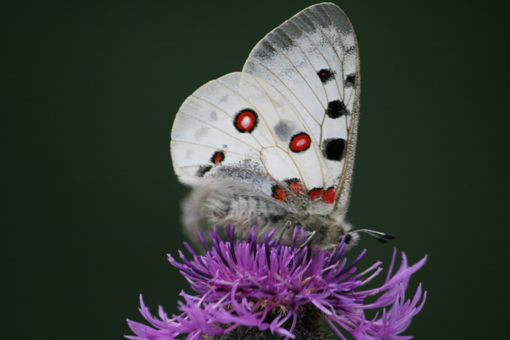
pixel 379 236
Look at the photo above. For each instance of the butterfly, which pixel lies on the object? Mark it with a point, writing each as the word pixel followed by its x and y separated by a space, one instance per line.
pixel 275 142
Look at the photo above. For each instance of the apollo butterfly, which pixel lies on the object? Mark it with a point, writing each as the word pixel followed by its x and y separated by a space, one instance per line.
pixel 275 143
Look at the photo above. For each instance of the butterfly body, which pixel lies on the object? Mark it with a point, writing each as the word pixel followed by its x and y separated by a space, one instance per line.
pixel 275 143
pixel 222 202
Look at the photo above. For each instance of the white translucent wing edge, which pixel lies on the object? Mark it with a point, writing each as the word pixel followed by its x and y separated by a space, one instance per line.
pixel 345 181
pixel 350 95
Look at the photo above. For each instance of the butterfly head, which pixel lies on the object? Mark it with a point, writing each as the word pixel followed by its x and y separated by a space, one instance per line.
pixel 326 231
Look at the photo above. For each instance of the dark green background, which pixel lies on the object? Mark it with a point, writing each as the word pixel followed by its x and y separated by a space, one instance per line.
pixel 90 203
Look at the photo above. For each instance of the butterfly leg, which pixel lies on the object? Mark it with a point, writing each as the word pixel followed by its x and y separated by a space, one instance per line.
pixel 285 228
pixel 307 242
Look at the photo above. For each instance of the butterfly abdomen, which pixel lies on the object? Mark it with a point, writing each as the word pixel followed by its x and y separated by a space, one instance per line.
pixel 228 202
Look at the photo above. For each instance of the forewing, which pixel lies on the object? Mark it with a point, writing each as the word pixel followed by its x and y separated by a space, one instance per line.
pixel 312 60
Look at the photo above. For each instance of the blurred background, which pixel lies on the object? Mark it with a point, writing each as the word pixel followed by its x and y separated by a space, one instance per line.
pixel 91 206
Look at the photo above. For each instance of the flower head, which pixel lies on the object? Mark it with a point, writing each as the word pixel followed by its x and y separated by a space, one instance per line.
pixel 271 287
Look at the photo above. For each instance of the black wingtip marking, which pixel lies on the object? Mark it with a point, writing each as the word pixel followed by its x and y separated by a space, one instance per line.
pixel 334 149
pixel 336 109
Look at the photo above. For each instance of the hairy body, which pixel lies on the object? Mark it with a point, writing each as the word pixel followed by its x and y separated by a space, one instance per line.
pixel 228 202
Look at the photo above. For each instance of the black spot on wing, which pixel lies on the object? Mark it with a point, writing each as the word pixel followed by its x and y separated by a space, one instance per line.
pixel 334 149
pixel 325 75
pixel 202 170
pixel 350 80
pixel 336 109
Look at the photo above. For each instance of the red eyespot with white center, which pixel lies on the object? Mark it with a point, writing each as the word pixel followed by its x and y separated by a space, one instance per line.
pixel 300 142
pixel 246 120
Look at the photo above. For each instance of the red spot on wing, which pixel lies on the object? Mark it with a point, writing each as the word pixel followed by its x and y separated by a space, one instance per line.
pixel 280 194
pixel 329 196
pixel 315 193
pixel 245 121
pixel 218 157
pixel 300 142
pixel 297 187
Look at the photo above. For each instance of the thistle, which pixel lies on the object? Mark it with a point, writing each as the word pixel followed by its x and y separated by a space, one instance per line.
pixel 247 290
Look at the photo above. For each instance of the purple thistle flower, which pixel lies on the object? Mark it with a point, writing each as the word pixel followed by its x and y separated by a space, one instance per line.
pixel 248 287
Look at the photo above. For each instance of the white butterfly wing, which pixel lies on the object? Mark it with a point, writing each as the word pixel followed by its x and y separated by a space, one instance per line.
pixel 287 124
pixel 239 127
pixel 312 60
